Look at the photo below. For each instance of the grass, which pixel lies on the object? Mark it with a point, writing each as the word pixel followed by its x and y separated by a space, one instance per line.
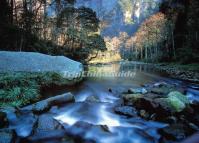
pixel 20 88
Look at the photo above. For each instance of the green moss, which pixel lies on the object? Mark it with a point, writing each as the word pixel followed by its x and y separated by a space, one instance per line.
pixel 180 96
pixel 176 104
pixel 172 104
pixel 19 88
pixel 175 101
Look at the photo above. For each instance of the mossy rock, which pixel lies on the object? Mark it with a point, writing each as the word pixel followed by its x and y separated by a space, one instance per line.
pixel 132 97
pixel 171 104
pixel 175 102
pixel 180 96
pixel 161 90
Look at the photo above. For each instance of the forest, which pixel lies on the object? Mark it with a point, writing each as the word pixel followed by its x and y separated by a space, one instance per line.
pixel 71 31
pixel 171 35
pixel 99 71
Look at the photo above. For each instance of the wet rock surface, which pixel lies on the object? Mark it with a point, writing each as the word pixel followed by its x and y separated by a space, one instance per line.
pixel 45 105
pixel 126 110
pixel 6 136
pixel 92 99
pixel 137 90
pixel 166 103
pixel 46 135
pixel 34 123
pixel 164 116
pixel 83 131
pixel 47 122
pixel 3 119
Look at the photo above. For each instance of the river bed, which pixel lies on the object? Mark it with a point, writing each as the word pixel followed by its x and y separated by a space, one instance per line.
pixel 106 91
pixel 99 113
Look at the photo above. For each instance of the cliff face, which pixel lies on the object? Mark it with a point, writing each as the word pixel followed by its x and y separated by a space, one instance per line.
pixel 120 15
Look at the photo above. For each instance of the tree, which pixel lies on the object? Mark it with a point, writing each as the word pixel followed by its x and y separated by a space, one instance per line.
pixel 80 29
pixel 152 33
pixel 184 36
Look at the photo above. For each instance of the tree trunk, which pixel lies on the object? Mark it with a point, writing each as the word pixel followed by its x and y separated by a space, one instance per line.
pixel 136 51
pixel 11 11
pixel 150 49
pixel 146 53
pixel 15 11
pixel 21 43
pixel 173 45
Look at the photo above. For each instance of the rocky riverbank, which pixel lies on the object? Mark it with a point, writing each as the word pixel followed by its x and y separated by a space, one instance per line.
pixel 185 72
pixel 158 112
pixel 166 103
pixel 34 123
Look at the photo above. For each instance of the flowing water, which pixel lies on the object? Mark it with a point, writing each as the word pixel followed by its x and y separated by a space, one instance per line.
pixel 118 128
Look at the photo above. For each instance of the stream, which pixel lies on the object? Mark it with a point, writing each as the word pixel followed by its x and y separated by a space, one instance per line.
pixel 98 114
pixel 84 117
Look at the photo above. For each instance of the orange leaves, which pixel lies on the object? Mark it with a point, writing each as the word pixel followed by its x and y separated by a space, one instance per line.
pixel 151 30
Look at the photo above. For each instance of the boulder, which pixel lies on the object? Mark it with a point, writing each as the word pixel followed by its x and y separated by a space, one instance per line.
pixel 92 99
pixel 11 115
pixel 194 127
pixel 131 98
pixel 153 95
pixel 47 122
pixel 41 107
pixel 144 114
pixel 3 119
pixel 163 88
pixel 192 139
pixel 47 136
pixel 160 90
pixel 175 102
pixel 6 136
pixel 171 120
pixel 160 84
pixel 54 110
pixel 126 110
pixel 45 105
pixel 171 103
pixel 89 133
pixel 174 132
pixel 180 96
pixel 137 91
pixel 22 122
pixel 140 101
pixel 61 99
pixel 24 125
pixel 37 62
